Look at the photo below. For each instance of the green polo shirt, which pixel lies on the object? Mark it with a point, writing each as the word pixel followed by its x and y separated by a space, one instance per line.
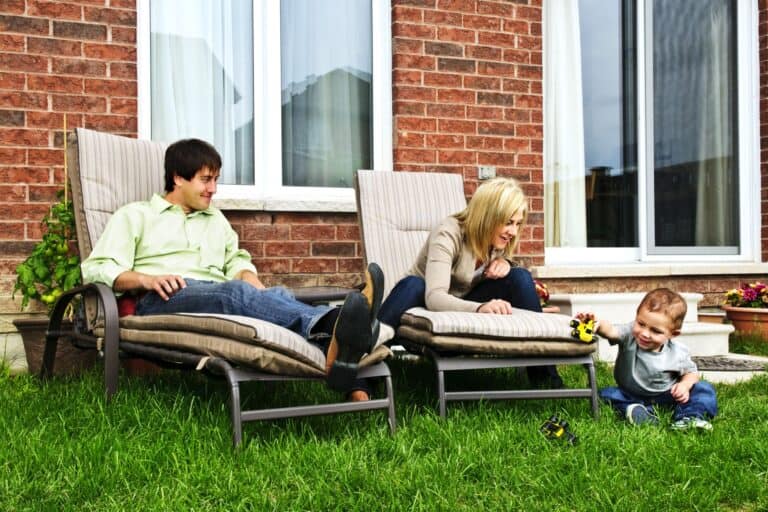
pixel 156 237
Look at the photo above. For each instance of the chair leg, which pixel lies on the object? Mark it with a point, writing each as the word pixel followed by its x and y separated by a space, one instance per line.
pixel 391 406
pixel 593 388
pixel 441 392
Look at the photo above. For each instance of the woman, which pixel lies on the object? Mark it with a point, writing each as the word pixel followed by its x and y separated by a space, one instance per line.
pixel 466 265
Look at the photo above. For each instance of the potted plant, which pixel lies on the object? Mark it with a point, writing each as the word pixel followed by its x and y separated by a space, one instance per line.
pixel 747 308
pixel 52 267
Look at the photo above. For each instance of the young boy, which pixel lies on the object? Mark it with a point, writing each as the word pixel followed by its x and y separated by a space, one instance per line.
pixel 652 370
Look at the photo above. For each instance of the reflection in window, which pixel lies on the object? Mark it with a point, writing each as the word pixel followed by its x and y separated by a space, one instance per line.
pixel 326 60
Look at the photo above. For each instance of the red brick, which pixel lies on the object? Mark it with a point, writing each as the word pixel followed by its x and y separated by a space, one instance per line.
pixel 516 27
pixel 482 82
pixel 444 49
pixel 122 70
pixel 456 34
pixel 48 46
pixel 123 106
pixel 528 13
pixel 78 67
pixel 111 87
pixel 456 65
pixel 110 16
pixel 444 110
pixel 455 96
pixel 263 232
pixel 110 123
pixel 512 85
pixel 484 52
pixel 416 124
pixel 50 83
pixel 443 18
pixel 404 77
pixel 402 14
pixel 517 116
pixel 272 265
pixel 11 43
pixel 445 141
pixel 485 113
pixel 413 62
pixel 485 143
pixel 531 130
pixel 43 194
pixel 13 81
pixel 414 93
pixel 455 126
pixel 494 98
pixel 79 103
pixel 11 231
pixel 123 4
pixel 498 159
pixel 285 248
pixel 351 265
pixel 496 69
pixel 123 34
pixel 408 139
pixel 23 211
pixel 13 193
pixel 56 10
pixel 493 7
pixel 12 6
pixel 348 232
pixel 23 25
pixel 313 265
pixel 486 128
pixel 12 118
pixel 39 156
pixel 80 31
pixel 405 46
pixel 412 30
pixel 415 155
pixel 19 62
pixel 517 56
pixel 22 137
pixel 333 249
pixel 456 5
pixel 22 174
pixel 110 52
pixel 533 72
pixel 456 157
pixel 408 108
pixel 312 232
pixel 482 22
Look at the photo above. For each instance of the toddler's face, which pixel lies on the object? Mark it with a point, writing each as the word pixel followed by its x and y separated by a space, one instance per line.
pixel 652 329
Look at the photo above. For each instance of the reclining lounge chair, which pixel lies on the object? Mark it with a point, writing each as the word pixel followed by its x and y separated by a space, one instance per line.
pixel 397 211
pixel 108 171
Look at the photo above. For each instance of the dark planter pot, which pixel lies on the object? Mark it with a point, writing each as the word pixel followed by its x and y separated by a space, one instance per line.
pixel 70 360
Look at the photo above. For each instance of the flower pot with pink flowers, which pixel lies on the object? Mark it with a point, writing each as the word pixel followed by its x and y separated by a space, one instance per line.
pixel 747 308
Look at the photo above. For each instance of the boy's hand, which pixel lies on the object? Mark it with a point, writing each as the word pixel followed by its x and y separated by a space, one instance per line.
pixel 602 327
pixel 681 392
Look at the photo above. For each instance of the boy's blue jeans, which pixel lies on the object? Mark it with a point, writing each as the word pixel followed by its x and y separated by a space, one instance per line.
pixel 276 305
pixel 701 404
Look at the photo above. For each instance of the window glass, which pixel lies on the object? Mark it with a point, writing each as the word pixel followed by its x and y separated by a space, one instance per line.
pixel 326 70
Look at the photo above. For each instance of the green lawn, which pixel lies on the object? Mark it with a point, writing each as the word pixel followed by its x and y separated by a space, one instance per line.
pixel 164 443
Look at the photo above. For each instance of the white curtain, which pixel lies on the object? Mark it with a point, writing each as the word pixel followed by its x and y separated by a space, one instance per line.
pixel 326 60
pixel 564 191
pixel 716 190
pixel 202 78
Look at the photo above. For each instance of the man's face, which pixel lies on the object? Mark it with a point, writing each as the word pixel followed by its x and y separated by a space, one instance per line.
pixel 195 194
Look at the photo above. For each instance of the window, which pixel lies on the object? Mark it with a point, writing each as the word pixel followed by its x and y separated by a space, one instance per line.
pixel 650 155
pixel 295 94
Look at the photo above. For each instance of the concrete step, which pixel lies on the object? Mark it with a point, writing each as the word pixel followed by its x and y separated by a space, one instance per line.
pixel 701 338
pixel 735 373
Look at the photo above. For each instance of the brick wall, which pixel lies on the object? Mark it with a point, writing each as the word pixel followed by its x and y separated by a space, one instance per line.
pixel 763 43
pixel 467 91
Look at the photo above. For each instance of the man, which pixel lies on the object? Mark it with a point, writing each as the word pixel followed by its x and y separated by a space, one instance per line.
pixel 178 254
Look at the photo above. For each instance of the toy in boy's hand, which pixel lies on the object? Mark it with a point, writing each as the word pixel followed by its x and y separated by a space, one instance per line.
pixel 583 330
pixel 555 428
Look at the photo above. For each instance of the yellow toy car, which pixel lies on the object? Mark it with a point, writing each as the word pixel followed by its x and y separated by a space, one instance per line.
pixel 583 331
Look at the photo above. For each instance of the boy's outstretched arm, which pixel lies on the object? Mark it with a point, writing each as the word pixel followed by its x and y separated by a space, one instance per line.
pixel 604 327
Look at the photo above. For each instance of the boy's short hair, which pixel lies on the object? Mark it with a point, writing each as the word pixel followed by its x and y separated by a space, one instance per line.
pixel 187 156
pixel 668 302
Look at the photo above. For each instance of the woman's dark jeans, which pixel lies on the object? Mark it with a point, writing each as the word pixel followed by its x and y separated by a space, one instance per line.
pixel 517 288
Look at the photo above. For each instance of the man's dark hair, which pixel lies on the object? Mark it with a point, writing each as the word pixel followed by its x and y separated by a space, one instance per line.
pixel 187 156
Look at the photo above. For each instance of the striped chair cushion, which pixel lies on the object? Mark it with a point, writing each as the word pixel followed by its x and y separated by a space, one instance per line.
pixel 523 333
pixel 398 210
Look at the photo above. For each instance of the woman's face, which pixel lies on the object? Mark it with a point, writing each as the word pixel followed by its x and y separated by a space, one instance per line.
pixel 506 233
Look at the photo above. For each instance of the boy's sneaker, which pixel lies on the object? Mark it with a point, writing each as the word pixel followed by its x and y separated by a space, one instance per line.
pixel 637 414
pixel 691 423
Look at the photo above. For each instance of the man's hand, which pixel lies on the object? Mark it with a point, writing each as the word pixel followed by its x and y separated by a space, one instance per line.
pixel 250 278
pixel 496 306
pixel 497 269
pixel 165 286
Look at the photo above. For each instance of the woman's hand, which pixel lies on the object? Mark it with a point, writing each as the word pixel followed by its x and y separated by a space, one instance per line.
pixel 497 269
pixel 496 306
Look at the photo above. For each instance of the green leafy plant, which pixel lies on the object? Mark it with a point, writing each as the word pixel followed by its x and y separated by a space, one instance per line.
pixel 53 266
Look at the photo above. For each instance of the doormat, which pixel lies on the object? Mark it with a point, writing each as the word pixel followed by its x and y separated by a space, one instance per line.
pixel 729 364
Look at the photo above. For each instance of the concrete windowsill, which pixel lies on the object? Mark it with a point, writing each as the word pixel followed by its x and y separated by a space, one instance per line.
pixel 286 205
pixel 648 269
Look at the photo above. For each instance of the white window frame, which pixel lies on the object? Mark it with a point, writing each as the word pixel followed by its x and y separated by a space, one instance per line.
pixel 267 192
pixel 748 147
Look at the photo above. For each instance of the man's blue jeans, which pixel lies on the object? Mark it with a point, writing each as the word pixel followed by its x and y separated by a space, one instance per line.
pixel 276 305
pixel 701 404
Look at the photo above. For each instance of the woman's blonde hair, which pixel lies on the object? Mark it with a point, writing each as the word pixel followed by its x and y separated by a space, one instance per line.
pixel 494 203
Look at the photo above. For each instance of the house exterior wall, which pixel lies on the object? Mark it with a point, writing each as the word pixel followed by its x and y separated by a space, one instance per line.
pixel 467 91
